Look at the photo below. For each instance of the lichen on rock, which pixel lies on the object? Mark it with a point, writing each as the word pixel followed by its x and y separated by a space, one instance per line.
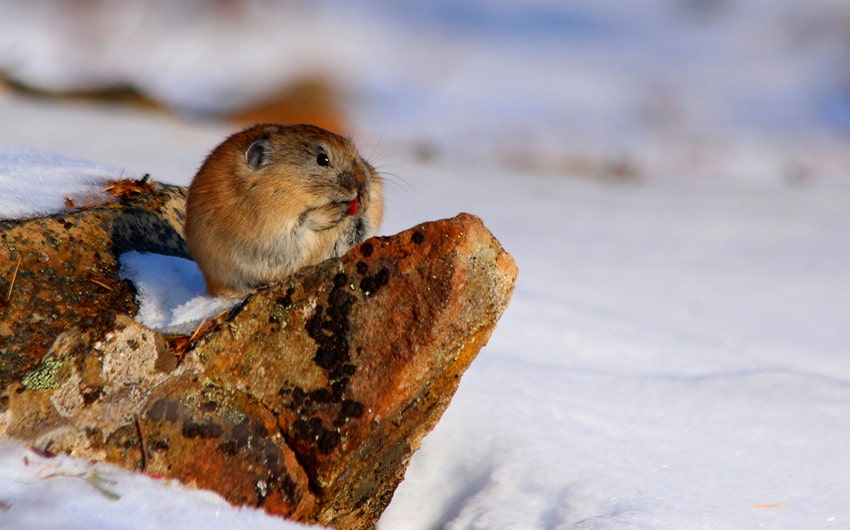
pixel 43 377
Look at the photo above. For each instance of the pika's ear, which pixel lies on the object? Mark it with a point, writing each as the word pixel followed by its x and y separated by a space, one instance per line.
pixel 257 154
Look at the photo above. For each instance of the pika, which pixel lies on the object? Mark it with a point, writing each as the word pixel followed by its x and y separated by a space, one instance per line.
pixel 274 198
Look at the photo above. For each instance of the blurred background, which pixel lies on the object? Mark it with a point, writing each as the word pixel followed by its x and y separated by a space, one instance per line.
pixel 670 175
pixel 736 88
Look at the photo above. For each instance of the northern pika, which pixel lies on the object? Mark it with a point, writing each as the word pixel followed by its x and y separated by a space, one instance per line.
pixel 274 198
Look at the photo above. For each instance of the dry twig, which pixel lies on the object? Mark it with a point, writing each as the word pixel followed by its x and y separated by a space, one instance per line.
pixel 180 344
pixel 98 282
pixel 125 188
pixel 142 443
pixel 14 277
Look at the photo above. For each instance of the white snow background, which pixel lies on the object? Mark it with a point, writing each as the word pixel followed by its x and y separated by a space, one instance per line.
pixel 676 352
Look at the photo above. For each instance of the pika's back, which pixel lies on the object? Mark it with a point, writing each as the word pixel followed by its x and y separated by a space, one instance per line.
pixel 274 198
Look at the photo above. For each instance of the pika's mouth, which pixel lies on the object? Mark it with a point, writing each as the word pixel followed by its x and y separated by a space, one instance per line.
pixel 351 206
pixel 354 205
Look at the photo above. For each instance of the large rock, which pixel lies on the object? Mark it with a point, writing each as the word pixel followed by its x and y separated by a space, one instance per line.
pixel 307 400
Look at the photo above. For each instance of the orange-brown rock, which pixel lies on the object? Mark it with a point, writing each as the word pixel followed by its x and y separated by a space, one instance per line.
pixel 61 271
pixel 307 400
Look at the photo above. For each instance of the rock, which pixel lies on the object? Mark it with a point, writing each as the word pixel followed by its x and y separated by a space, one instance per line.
pixel 307 400
pixel 61 271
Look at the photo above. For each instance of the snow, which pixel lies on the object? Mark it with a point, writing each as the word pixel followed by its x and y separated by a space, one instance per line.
pixel 38 493
pixel 49 178
pixel 171 291
pixel 675 354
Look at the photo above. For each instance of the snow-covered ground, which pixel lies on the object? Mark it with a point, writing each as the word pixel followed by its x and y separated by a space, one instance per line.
pixel 676 352
pixel 38 493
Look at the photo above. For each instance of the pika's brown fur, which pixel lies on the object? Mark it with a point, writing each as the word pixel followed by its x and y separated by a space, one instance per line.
pixel 274 198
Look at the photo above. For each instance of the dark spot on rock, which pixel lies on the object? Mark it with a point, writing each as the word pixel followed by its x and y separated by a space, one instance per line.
pixel 366 249
pixel 299 429
pixel 321 395
pixel 330 328
pixel 201 430
pixel 371 284
pixel 340 280
pixel 133 344
pixel 339 387
pixel 107 319
pixel 270 458
pixel 383 276
pixel 103 319
pixel 307 430
pixel 90 395
pixel 351 409
pixel 229 448
pixel 325 358
pixel 159 445
pixel 242 435
pixel 341 372
pixel 289 489
pixel 209 406
pixel 286 300
pixel 314 325
pixel 328 441
pixel 164 409
pixel 417 237
pixel 298 396
pixel 315 426
pixel 362 268
pixel 94 432
pixel 260 430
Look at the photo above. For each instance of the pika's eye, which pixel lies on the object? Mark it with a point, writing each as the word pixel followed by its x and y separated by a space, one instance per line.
pixel 323 159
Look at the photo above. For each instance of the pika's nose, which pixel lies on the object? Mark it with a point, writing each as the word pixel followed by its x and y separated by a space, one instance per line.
pixel 353 178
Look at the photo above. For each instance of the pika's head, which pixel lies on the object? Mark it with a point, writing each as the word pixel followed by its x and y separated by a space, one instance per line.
pixel 307 165
pixel 274 198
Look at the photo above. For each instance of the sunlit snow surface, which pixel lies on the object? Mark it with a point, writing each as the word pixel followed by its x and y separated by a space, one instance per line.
pixel 674 356
pixel 34 182
pixel 171 290
pixel 676 352
pixel 38 493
